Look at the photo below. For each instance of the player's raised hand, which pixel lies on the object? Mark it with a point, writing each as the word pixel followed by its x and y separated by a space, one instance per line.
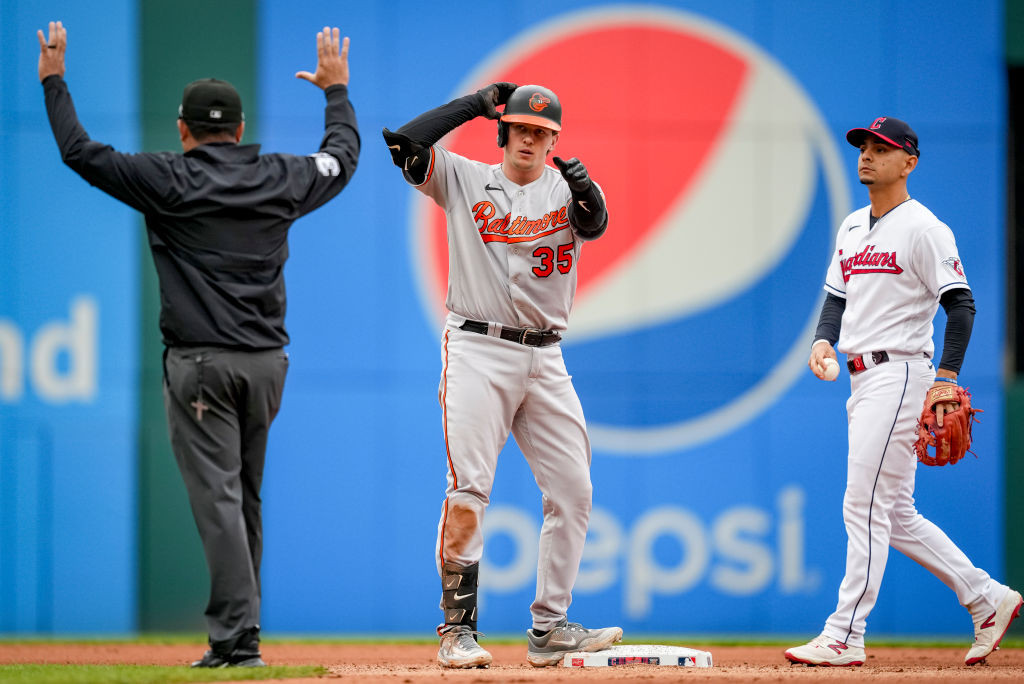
pixel 331 60
pixel 574 173
pixel 51 51
pixel 494 96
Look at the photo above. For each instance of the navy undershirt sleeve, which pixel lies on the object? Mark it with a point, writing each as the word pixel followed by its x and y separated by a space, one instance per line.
pixel 959 307
pixel 831 319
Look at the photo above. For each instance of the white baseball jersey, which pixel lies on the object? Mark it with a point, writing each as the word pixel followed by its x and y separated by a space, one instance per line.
pixel 511 252
pixel 891 277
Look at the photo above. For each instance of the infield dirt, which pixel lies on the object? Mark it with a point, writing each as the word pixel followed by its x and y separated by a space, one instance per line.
pixel 414 664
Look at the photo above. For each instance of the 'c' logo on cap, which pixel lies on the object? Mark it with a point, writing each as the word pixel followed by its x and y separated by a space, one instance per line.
pixel 538 102
pixel 878 122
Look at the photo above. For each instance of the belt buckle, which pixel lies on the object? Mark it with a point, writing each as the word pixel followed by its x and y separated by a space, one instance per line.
pixel 523 335
pixel 858 364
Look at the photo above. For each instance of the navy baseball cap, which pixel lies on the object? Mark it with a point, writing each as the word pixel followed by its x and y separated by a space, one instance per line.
pixel 893 131
pixel 209 100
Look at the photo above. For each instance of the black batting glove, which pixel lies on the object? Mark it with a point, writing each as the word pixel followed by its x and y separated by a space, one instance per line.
pixel 408 155
pixel 587 211
pixel 494 96
pixel 574 173
pixel 403 149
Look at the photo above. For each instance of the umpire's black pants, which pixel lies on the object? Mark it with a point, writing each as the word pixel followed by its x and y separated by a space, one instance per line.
pixel 220 404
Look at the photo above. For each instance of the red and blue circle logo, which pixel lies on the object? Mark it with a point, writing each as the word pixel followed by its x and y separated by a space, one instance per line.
pixel 694 312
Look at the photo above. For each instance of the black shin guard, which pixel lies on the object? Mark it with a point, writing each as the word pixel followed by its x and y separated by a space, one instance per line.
pixel 458 594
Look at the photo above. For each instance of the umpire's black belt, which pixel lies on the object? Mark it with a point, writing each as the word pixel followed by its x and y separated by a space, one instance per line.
pixel 531 337
pixel 856 364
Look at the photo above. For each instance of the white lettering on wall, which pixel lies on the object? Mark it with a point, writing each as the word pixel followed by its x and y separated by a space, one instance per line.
pixel 523 532
pixel 12 355
pixel 75 340
pixel 741 552
pixel 599 565
pixel 646 577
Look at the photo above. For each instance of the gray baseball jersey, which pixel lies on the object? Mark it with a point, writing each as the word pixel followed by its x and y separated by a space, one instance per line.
pixel 511 251
pixel 512 262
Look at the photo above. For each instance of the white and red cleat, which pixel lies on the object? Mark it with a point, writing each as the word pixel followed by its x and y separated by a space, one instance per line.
pixel 824 650
pixel 990 630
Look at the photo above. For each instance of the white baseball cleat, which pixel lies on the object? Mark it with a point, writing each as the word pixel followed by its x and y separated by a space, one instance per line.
pixel 990 630
pixel 460 650
pixel 824 650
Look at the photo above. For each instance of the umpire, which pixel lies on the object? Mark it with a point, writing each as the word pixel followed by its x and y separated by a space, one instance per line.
pixel 217 219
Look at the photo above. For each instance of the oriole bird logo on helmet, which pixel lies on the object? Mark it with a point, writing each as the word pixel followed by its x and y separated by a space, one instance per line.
pixel 538 102
pixel 532 105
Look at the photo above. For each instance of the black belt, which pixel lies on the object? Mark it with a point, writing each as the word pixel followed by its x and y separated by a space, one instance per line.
pixel 531 337
pixel 855 364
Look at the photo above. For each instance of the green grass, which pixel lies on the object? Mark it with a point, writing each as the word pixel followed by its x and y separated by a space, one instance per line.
pixel 148 674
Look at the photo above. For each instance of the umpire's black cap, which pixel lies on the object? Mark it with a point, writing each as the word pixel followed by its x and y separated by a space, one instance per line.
pixel 209 100
pixel 893 131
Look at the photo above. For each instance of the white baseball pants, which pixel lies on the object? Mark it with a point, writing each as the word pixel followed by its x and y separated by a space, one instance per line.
pixel 878 507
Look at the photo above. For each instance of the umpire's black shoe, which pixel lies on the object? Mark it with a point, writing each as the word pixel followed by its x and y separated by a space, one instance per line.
pixel 211 659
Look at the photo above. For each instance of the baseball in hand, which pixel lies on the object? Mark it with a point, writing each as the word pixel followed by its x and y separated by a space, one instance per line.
pixel 831 368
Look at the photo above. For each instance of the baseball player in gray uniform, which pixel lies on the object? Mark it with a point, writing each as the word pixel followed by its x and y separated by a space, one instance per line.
pixel 515 231
pixel 894 264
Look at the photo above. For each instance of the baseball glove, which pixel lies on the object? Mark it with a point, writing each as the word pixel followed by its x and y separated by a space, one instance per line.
pixel 951 441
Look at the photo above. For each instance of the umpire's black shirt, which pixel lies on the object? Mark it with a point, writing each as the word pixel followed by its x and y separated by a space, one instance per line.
pixel 217 218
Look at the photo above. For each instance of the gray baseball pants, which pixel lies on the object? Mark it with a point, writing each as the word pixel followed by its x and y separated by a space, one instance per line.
pixel 220 404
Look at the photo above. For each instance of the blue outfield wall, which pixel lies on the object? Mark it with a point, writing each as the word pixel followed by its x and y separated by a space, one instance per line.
pixel 717 132
pixel 68 319
pixel 719 461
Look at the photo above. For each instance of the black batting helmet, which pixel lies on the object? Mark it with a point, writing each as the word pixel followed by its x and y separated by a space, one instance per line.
pixel 530 104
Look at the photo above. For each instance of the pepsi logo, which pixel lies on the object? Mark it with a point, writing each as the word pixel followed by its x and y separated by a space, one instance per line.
pixel 724 189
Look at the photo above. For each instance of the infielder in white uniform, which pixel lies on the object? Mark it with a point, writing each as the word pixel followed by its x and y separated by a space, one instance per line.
pixel 894 263
pixel 515 231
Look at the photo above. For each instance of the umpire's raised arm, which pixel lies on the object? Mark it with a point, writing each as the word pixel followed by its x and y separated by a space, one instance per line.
pixel 341 134
pixel 152 182
pixel 96 162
